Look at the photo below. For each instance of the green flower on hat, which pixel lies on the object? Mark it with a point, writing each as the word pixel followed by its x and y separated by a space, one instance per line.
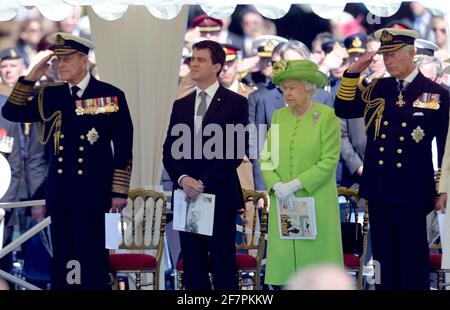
pixel 304 70
pixel 279 67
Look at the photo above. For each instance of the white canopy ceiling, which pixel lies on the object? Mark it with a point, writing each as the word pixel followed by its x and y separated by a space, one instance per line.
pixel 168 9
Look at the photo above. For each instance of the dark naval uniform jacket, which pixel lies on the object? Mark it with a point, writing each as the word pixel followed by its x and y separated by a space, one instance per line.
pixel 85 171
pixel 398 161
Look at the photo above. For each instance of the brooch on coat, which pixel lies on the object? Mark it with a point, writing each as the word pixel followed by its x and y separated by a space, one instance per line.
pixel 315 117
pixel 417 134
pixel 92 135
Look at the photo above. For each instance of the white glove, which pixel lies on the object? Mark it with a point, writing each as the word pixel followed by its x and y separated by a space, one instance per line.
pixel 284 190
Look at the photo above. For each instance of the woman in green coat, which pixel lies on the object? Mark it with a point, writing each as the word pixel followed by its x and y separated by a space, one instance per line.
pixel 299 160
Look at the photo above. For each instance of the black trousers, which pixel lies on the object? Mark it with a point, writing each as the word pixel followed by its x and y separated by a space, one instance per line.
pixel 222 250
pixel 399 244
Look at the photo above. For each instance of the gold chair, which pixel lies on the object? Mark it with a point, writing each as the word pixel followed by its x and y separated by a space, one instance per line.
pixel 141 234
pixel 435 266
pixel 252 238
pixel 352 262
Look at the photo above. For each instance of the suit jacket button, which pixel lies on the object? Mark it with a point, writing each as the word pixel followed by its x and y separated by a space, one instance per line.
pixel 80 160
pixel 82 137
pixel 80 172
pixel 381 149
pixel 380 162
pixel 383 136
pixel 61 136
pixel 385 123
pixel 61 148
pixel 401 138
pixel 403 125
pixel 60 159
pixel 81 149
pixel 399 151
pixel 60 171
pixel 399 165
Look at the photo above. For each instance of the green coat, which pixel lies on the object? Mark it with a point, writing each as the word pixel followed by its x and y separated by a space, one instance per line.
pixel 309 151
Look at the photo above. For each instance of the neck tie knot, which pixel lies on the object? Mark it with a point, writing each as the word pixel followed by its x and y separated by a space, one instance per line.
pixel 75 90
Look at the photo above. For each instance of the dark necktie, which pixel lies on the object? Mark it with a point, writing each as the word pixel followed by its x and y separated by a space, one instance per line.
pixel 75 90
pixel 401 85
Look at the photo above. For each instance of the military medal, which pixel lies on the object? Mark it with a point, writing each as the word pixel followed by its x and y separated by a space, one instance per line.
pixel 6 144
pixel 93 106
pixel 315 116
pixel 400 102
pixel 92 135
pixel 417 134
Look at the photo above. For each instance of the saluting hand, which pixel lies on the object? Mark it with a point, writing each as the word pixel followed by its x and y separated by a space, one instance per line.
pixel 362 63
pixel 41 68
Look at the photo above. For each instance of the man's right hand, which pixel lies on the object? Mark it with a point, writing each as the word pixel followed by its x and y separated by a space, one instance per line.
pixel 192 187
pixel 362 63
pixel 41 68
pixel 441 203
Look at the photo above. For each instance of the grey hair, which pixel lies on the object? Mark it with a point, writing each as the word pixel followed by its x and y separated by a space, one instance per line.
pixel 297 46
pixel 311 88
pixel 426 60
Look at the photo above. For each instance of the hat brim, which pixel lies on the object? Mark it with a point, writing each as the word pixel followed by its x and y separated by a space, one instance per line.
pixel 314 76
pixel 390 48
pixel 65 51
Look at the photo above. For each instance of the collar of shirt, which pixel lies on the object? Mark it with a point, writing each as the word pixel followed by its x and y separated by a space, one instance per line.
pixel 82 85
pixel 234 87
pixel 411 76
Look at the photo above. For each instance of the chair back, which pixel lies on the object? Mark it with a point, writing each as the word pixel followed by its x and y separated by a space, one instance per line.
pixel 143 221
pixel 251 235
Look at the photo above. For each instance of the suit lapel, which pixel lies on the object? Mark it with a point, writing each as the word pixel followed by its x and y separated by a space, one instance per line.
pixel 90 89
pixel 215 105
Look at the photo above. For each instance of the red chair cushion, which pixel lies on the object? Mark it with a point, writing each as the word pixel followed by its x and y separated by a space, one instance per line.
pixel 435 261
pixel 245 261
pixel 131 261
pixel 351 261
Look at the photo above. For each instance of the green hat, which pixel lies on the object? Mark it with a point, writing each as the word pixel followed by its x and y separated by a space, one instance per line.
pixel 305 70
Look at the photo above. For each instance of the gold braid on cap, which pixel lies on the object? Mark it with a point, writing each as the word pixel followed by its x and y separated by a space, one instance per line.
pixel 377 104
pixel 55 118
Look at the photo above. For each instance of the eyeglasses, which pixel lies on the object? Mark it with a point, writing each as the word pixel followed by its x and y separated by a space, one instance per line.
pixel 443 30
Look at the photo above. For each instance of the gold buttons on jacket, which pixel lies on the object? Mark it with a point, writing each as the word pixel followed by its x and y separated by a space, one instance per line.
pixel 399 151
pixel 401 138
pixel 385 123
pixel 403 125
pixel 381 149
pixel 399 165
pixel 80 172
pixel 60 159
pixel 80 160
pixel 81 149
pixel 61 148
pixel 82 137
pixel 383 136
pixel 61 136
pixel 380 162
pixel 60 171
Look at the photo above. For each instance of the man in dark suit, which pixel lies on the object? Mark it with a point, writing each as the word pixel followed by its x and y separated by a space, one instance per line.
pixel 80 118
pixel 190 169
pixel 403 113
pixel 263 103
